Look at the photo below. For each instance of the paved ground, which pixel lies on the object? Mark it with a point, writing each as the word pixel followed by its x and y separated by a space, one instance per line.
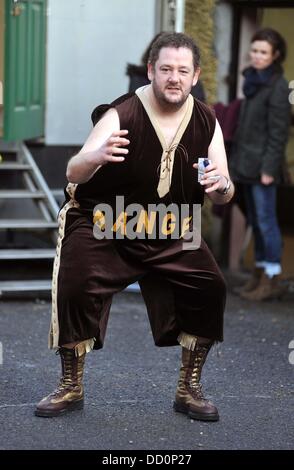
pixel 130 384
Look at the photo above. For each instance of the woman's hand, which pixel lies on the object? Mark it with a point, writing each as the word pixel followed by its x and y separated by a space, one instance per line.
pixel 266 179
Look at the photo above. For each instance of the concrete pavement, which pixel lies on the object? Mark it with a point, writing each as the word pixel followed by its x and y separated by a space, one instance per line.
pixel 130 384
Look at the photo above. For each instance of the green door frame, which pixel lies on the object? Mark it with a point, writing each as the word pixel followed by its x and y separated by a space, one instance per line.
pixel 24 69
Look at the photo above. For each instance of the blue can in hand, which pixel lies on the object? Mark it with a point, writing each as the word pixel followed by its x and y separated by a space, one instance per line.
pixel 202 164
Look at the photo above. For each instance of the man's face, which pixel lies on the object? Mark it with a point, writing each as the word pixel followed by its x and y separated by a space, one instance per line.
pixel 173 75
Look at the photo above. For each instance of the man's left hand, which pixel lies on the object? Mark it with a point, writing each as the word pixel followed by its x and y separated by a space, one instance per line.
pixel 212 179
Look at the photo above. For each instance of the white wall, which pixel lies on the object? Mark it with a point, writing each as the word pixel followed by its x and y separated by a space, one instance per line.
pixel 249 25
pixel 89 43
pixel 223 38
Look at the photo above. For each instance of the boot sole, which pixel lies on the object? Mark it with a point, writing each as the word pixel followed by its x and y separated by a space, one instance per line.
pixel 180 408
pixel 77 405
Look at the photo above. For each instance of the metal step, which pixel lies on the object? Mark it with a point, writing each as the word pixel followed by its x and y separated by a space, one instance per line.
pixel 14 166
pixel 57 192
pixel 33 253
pixel 21 194
pixel 9 147
pixel 24 286
pixel 26 224
pixel 59 195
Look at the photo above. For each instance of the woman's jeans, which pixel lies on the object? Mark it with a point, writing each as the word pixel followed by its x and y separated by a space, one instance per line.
pixel 261 214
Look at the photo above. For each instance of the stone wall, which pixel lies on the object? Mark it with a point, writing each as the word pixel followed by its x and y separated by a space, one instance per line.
pixel 199 24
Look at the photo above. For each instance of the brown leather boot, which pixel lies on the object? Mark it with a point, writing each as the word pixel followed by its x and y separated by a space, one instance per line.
pixel 69 394
pixel 189 397
pixel 269 288
pixel 252 282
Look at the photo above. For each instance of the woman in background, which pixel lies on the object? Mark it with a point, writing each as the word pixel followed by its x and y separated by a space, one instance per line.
pixel 258 155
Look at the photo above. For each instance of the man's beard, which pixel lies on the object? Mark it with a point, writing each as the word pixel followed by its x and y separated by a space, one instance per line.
pixel 165 101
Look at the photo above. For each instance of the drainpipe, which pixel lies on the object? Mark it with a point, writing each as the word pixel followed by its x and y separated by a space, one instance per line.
pixel 180 16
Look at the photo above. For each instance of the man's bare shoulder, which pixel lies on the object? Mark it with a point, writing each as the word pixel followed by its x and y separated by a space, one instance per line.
pixel 101 109
pixel 110 115
pixel 108 122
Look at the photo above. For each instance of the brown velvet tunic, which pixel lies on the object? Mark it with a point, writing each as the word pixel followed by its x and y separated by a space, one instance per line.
pixel 137 177
pixel 183 290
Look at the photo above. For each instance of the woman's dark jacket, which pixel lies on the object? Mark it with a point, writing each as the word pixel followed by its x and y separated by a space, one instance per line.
pixel 262 133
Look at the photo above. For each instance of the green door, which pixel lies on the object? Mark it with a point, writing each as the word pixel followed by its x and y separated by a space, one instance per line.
pixel 24 70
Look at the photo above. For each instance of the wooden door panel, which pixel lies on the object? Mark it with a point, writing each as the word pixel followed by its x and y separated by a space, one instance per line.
pixel 24 69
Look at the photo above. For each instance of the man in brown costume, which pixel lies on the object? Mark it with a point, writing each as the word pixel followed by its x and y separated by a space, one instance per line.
pixel 144 146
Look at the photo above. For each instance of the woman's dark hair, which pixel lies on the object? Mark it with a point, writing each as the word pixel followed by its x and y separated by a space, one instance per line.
pixel 142 68
pixel 274 38
pixel 146 54
pixel 175 40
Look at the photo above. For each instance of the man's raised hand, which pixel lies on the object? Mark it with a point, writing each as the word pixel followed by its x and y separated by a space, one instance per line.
pixel 113 148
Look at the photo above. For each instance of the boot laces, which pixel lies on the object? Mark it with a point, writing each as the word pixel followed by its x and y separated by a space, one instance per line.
pixel 62 386
pixel 66 381
pixel 196 391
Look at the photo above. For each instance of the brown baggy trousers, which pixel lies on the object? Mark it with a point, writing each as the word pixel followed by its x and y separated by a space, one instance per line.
pixel 184 290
